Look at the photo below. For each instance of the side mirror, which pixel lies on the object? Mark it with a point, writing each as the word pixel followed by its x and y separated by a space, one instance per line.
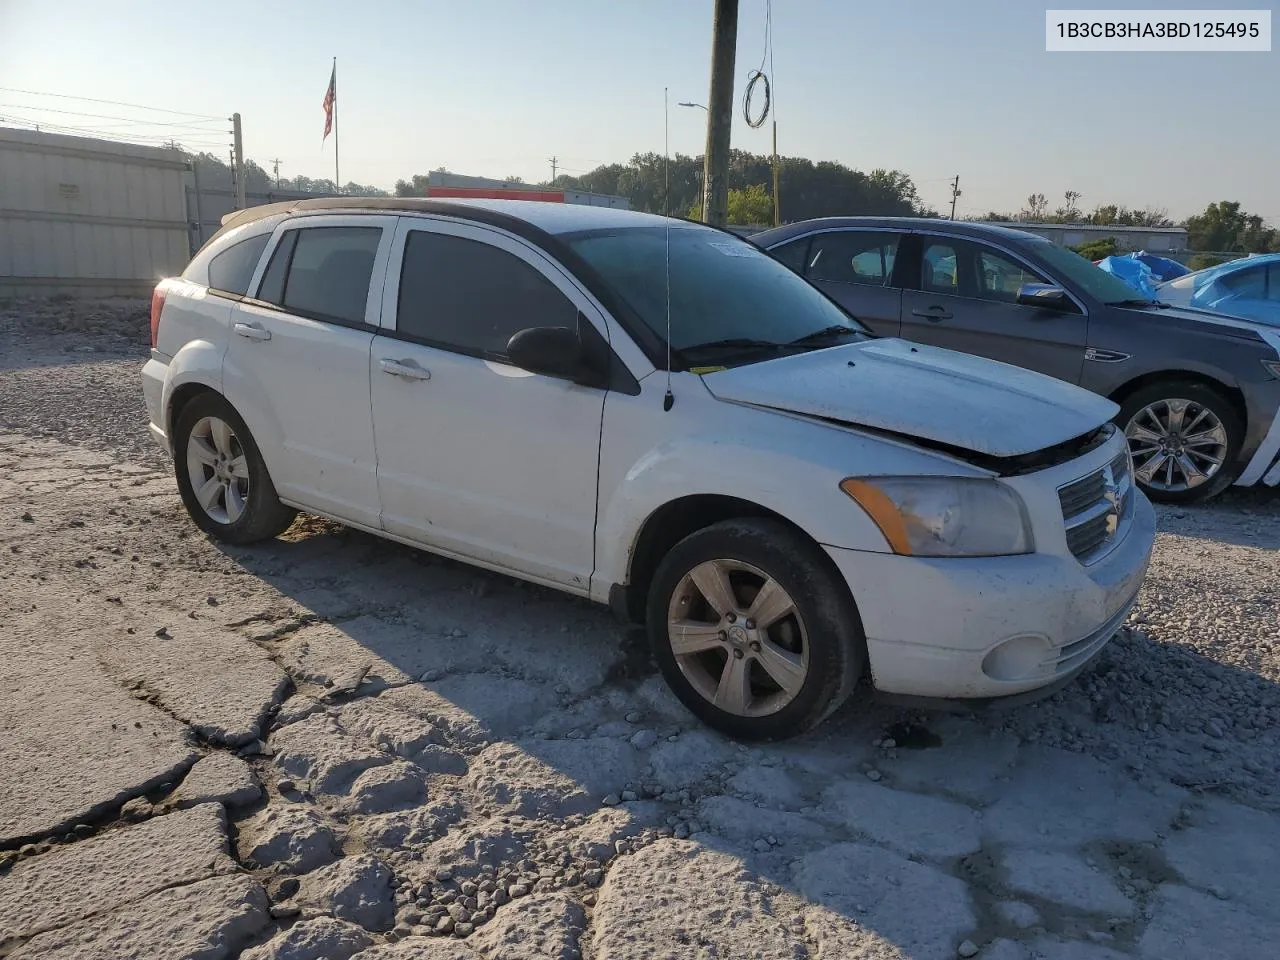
pixel 551 351
pixel 1045 296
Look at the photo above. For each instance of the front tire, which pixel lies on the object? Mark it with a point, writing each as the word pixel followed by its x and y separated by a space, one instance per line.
pixel 1185 439
pixel 222 478
pixel 754 629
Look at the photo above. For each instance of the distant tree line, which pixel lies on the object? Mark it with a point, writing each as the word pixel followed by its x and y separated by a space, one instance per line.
pixel 215 173
pixel 1223 227
pixel 807 189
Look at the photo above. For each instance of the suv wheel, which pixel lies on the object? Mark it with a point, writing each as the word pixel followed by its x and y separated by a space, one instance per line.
pixel 221 476
pixel 754 629
pixel 1184 437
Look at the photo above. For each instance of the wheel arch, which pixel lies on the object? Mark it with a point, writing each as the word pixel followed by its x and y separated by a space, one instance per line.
pixel 668 525
pixel 182 395
pixel 1230 393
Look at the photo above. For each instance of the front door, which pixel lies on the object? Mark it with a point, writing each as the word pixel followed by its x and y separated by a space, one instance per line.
pixel 297 361
pixel 966 300
pixel 476 457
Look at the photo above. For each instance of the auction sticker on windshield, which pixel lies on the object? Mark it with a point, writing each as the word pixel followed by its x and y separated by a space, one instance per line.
pixel 1158 31
pixel 733 249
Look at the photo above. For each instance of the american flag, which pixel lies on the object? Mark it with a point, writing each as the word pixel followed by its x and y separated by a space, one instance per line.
pixel 330 98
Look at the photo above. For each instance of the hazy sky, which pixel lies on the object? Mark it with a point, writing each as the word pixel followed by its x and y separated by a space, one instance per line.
pixel 931 87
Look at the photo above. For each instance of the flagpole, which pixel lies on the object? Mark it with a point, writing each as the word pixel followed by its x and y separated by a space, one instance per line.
pixel 337 180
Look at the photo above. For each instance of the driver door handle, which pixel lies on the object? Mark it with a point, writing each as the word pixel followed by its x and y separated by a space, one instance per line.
pixel 404 368
pixel 932 313
pixel 253 331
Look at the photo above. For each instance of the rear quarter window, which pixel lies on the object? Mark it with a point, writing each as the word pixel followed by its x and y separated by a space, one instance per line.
pixel 231 270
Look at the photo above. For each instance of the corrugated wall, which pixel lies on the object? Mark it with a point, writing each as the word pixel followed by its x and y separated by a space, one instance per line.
pixel 87 216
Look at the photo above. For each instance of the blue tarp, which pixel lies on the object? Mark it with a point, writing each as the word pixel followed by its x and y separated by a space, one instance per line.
pixel 1162 268
pixel 1239 288
pixel 1133 272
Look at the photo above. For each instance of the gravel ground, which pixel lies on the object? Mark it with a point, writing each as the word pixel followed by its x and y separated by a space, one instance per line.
pixel 334 746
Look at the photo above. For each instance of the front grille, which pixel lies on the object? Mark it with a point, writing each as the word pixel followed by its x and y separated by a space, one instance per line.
pixel 1094 506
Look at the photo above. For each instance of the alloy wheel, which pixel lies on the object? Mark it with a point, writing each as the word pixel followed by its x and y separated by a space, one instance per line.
pixel 738 638
pixel 1177 445
pixel 218 470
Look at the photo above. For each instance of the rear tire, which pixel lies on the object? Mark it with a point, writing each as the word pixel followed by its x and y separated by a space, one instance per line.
pixel 221 475
pixel 1185 439
pixel 765 680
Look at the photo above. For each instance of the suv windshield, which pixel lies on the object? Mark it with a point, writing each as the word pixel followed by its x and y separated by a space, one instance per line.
pixel 727 296
pixel 1082 273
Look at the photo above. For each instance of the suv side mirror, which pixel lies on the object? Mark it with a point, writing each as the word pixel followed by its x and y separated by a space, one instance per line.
pixel 551 351
pixel 1045 296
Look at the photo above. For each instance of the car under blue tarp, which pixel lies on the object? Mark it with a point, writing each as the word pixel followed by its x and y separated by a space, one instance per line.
pixel 1135 273
pixel 1248 287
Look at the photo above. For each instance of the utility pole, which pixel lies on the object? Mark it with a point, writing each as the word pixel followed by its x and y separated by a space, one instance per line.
pixel 955 192
pixel 553 169
pixel 715 178
pixel 275 170
pixel 238 147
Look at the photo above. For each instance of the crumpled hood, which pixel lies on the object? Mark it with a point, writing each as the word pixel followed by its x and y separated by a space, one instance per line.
pixel 939 395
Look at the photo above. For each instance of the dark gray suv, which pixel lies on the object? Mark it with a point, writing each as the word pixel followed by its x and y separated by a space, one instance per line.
pixel 1198 392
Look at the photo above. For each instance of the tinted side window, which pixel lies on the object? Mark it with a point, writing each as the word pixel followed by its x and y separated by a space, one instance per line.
pixel 793 254
pixel 853 257
pixel 939 267
pixel 232 269
pixel 999 276
pixel 471 297
pixel 1273 282
pixel 328 274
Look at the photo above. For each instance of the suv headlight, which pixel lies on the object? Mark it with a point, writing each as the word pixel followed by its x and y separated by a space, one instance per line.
pixel 944 516
pixel 1273 367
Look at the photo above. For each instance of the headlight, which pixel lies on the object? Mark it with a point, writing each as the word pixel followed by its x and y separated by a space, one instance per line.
pixel 1273 367
pixel 944 516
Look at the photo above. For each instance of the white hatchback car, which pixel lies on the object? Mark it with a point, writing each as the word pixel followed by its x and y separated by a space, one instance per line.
pixel 656 415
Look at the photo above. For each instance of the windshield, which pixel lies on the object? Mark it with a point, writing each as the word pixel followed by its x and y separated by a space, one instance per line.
pixel 723 290
pixel 1082 273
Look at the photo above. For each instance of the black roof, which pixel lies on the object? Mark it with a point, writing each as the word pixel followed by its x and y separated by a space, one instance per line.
pixel 959 228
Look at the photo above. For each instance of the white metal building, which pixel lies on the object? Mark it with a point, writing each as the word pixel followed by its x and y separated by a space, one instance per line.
pixel 1160 240
pixel 88 217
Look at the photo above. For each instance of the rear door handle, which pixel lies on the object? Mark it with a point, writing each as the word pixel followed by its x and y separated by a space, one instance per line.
pixel 404 368
pixel 253 331
pixel 933 313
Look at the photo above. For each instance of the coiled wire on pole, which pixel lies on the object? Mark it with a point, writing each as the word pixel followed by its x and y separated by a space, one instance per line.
pixel 756 77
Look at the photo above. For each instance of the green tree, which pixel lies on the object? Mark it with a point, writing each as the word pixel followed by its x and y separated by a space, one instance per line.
pixel 1097 249
pixel 1224 226
pixel 751 206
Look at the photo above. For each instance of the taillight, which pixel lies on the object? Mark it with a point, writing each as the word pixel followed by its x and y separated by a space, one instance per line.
pixel 157 304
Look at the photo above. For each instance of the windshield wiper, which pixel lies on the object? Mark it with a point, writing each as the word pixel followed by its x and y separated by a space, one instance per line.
pixel 826 333
pixel 1137 302
pixel 733 344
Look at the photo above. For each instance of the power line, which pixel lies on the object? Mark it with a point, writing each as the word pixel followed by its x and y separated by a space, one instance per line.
pixel 103 116
pixel 114 103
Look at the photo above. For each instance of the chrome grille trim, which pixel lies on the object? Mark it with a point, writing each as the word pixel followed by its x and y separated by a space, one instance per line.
pixel 1095 507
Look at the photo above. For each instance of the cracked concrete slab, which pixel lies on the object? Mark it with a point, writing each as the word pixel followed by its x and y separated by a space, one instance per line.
pixel 545 926
pixel 319 751
pixel 212 920
pixel 75 744
pixel 1060 799
pixel 218 778
pixel 322 938
pixel 911 823
pixel 863 898
pixel 208 677
pixel 677 898
pixel 1065 879
pixel 1189 923
pixel 1232 850
pixel 553 777
pixel 118 867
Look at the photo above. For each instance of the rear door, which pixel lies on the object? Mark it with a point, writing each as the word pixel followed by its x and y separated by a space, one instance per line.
pixel 854 268
pixel 966 299
pixel 297 364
